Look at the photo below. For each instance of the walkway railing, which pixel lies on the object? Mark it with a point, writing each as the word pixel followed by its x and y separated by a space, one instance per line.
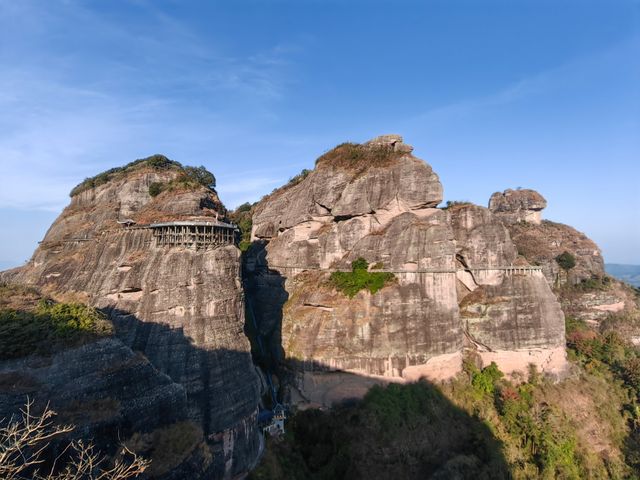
pixel 510 269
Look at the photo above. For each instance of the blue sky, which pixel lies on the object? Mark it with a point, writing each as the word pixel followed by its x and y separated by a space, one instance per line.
pixel 493 94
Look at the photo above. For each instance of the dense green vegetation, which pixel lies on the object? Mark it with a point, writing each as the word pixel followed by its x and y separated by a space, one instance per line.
pixel 241 216
pixel 566 261
pixel 188 178
pixel 400 431
pixel 607 355
pixel 158 162
pixel 47 327
pixel 155 189
pixel 360 278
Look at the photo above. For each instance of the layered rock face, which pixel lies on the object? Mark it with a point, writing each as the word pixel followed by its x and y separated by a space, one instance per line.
pixel 377 201
pixel 509 314
pixel 540 242
pixel 379 205
pixel 182 308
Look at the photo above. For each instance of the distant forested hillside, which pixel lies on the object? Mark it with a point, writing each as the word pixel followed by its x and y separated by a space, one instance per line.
pixel 626 273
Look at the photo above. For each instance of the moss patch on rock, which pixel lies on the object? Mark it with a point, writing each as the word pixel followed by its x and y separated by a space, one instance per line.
pixel 360 278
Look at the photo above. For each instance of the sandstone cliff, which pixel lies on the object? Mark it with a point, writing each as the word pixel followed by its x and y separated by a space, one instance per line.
pixel 540 242
pixel 182 308
pixel 377 201
pixel 584 290
pixel 509 314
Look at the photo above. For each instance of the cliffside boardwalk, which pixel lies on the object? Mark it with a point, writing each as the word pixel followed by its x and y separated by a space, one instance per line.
pixel 194 234
pixel 508 270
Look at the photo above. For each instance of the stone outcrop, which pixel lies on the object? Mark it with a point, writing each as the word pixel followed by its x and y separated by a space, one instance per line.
pixel 585 292
pixel 182 308
pixel 510 315
pixel 521 205
pixel 377 201
pixel 374 201
pixel 540 242
pixel 104 388
pixel 541 245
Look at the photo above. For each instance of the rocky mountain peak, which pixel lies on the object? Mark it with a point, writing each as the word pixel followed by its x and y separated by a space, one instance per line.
pixel 377 179
pixel 181 306
pixel 357 158
pixel 145 191
pixel 393 141
pixel 456 283
pixel 522 205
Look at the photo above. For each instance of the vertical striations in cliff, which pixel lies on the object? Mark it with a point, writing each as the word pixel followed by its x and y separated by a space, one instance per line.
pixel 378 202
pixel 183 308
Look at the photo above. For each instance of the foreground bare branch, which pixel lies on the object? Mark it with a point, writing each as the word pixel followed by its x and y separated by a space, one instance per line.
pixel 24 440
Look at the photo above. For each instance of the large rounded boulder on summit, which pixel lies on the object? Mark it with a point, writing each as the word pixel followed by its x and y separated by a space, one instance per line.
pixel 522 205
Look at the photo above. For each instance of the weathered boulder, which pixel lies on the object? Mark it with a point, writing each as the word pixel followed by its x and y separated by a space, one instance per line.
pixel 182 308
pixel 520 205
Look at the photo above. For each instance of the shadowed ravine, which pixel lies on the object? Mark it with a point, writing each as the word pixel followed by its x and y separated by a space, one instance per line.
pixel 397 431
pixel 143 399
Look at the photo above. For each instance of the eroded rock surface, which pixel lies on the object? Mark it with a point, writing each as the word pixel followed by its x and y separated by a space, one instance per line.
pixel 522 205
pixel 585 292
pixel 377 201
pixel 504 309
pixel 182 308
pixel 374 201
pixel 541 244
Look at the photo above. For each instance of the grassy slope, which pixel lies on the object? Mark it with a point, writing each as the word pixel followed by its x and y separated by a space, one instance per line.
pixel 32 324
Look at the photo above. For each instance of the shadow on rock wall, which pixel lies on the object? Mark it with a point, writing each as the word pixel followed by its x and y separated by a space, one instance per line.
pixel 265 296
pixel 198 406
pixel 373 431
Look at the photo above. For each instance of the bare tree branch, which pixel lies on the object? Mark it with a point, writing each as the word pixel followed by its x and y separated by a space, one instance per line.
pixel 24 440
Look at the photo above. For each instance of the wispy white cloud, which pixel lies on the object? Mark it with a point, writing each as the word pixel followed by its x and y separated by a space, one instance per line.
pixel 569 74
pixel 69 110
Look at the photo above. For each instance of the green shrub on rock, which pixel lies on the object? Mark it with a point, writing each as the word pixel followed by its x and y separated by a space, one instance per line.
pixel 155 188
pixel 359 278
pixel 49 326
pixel 566 261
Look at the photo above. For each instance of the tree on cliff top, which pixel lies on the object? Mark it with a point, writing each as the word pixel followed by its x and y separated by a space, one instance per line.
pixel 193 175
pixel 201 176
